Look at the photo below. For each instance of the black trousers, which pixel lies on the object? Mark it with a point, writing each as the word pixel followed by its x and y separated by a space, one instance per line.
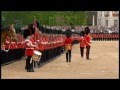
pixel 68 56
pixel 29 66
pixel 82 51
pixel 87 52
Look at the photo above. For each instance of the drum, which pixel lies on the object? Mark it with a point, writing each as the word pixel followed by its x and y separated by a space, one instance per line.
pixel 36 56
pixel 68 47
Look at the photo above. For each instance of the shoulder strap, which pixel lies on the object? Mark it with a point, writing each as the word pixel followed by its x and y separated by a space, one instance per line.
pixel 28 41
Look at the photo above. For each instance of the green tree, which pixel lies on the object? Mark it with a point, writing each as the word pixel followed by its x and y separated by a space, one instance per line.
pixel 44 17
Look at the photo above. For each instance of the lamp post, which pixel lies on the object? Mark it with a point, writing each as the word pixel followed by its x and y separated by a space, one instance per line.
pixel 93 21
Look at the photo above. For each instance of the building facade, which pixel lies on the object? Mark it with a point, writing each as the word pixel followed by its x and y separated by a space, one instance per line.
pixel 107 18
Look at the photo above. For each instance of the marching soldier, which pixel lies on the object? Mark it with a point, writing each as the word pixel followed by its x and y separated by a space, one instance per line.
pixel 68 47
pixel 82 43
pixel 88 42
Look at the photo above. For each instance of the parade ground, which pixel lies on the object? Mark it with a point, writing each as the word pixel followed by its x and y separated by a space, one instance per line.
pixel 104 64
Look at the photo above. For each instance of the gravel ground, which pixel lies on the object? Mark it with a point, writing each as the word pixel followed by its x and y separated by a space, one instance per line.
pixel 104 64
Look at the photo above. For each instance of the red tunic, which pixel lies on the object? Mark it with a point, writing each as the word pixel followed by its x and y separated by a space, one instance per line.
pixel 29 49
pixel 13 45
pixel 42 43
pixel 6 46
pixel 82 41
pixel 88 40
pixel 68 41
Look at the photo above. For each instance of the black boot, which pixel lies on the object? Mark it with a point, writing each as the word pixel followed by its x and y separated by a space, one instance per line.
pixel 69 60
pixel 32 70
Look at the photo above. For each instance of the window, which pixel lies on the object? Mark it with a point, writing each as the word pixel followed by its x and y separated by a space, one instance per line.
pixel 106 13
pixel 115 13
pixel 101 14
pixel 106 22
pixel 115 22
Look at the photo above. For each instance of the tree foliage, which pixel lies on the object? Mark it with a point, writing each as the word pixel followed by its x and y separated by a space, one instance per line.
pixel 44 17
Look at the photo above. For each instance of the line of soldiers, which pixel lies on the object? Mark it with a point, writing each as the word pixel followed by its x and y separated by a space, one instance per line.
pixel 105 36
pixel 50 43
pixel 12 51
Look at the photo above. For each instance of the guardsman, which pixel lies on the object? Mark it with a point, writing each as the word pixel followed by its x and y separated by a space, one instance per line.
pixel 88 42
pixel 6 45
pixel 116 36
pixel 40 46
pixel 82 43
pixel 35 24
pixel 95 36
pixel 105 36
pixel 56 45
pixel 43 47
pixel 34 41
pixel 29 52
pixel 102 36
pixel 68 47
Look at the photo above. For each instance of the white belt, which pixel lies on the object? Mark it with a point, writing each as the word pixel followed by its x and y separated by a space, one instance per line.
pixel 29 48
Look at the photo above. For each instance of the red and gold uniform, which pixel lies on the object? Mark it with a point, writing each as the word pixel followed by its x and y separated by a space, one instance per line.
pixel 82 41
pixel 29 52
pixel 88 40
pixel 29 48
pixel 68 42
pixel 88 45
pixel 82 45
